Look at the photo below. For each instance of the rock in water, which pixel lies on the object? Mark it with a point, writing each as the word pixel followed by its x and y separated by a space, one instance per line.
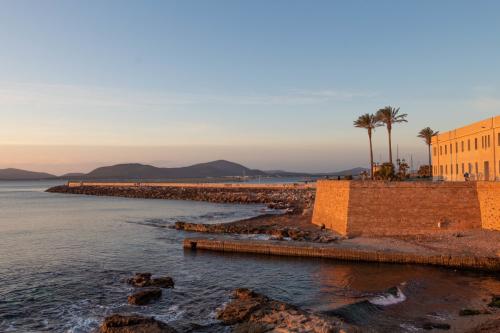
pixel 133 324
pixel 141 280
pixel 145 296
pixel 244 304
pixel 252 312
pixel 162 282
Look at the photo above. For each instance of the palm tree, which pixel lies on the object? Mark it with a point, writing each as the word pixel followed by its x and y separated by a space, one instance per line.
pixel 390 116
pixel 427 134
pixel 368 122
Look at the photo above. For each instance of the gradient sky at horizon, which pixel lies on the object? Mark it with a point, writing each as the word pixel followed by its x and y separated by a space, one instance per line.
pixel 270 84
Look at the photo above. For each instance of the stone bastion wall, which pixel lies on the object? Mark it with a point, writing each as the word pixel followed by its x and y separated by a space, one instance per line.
pixel 356 208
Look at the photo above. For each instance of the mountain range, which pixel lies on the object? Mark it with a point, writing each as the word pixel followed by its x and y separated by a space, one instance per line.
pixel 219 168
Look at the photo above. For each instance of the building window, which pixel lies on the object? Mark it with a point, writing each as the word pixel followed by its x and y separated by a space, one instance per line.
pixel 477 168
pixel 463 168
pixel 451 169
pixel 446 149
pixel 441 170
pixel 470 168
pixel 489 141
pixel 475 143
pixel 499 139
pixel 482 142
pixel 435 151
pixel 451 149
pixel 456 169
pixel 462 146
pixel 468 144
pixel 456 147
pixel 440 150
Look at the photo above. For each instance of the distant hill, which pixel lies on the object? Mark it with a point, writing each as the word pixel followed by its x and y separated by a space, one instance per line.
pixel 72 175
pixel 220 168
pixel 215 169
pixel 18 174
pixel 283 173
pixel 349 172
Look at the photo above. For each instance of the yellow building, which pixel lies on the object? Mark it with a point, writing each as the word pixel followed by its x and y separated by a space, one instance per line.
pixel 473 149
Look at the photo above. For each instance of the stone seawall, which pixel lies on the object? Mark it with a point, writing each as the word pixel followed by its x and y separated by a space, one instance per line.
pixel 276 197
pixel 356 208
pixel 489 201
pixel 296 249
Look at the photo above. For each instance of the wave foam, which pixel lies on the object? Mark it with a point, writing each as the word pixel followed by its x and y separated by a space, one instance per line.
pixel 389 298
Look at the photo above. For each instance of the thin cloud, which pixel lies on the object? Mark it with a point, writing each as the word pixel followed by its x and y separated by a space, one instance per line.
pixel 96 97
pixel 486 103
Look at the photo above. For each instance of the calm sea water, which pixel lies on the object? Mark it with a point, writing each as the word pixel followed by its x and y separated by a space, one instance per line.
pixel 63 259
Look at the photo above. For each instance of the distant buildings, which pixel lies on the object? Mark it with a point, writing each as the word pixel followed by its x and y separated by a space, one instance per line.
pixel 473 149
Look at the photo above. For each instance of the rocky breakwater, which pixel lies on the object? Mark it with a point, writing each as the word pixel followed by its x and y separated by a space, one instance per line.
pixel 253 312
pixel 294 199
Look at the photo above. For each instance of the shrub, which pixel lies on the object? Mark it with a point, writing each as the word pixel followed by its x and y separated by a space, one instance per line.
pixel 385 172
pixel 424 171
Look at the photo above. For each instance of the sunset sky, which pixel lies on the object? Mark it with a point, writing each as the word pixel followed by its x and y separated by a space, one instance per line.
pixel 269 84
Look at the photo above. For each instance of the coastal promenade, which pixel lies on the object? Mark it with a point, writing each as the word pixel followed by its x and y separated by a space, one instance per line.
pixel 357 250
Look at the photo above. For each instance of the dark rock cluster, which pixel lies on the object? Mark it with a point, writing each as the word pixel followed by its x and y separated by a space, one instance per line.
pixel 140 280
pixel 248 312
pixel 276 232
pixel 150 291
pixel 293 199
pixel 118 323
pixel 145 296
pixel 253 312
pixel 151 288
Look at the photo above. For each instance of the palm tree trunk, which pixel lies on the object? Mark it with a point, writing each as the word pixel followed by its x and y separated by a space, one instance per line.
pixel 390 145
pixel 371 154
pixel 430 160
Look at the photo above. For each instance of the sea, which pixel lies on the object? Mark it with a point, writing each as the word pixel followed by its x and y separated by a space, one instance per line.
pixel 64 259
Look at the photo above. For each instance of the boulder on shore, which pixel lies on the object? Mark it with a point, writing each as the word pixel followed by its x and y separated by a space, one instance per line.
pixel 118 323
pixel 145 296
pixel 253 312
pixel 140 280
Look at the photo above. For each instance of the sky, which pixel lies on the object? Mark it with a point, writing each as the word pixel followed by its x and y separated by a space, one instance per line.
pixel 269 84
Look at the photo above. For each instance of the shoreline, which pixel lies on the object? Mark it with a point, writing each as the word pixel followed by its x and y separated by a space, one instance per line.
pixel 472 249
